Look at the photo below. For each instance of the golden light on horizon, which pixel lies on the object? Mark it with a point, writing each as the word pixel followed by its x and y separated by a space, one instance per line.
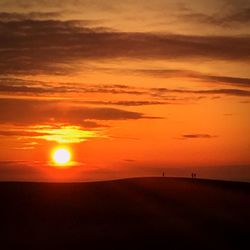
pixel 61 156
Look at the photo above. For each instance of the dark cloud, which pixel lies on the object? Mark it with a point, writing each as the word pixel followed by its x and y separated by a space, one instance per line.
pixel 15 85
pixel 21 133
pixel 236 16
pixel 127 103
pixel 168 73
pixel 198 136
pixel 242 16
pixel 230 92
pixel 28 87
pixel 15 16
pixel 28 112
pixel 58 4
pixel 244 82
pixel 129 160
pixel 50 46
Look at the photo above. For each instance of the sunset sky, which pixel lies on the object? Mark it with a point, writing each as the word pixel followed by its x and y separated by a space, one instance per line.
pixel 132 88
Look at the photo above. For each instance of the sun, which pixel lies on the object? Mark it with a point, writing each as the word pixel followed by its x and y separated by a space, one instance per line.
pixel 61 156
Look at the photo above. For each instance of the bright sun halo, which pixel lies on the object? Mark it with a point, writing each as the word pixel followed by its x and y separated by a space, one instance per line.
pixel 61 156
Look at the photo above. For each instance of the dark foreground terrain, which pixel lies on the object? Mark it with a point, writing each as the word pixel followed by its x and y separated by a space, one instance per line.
pixel 140 213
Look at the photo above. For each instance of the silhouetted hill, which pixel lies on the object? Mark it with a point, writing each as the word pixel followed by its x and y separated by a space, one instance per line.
pixel 140 213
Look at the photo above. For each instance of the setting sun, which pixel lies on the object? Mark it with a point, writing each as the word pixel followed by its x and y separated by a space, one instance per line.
pixel 61 156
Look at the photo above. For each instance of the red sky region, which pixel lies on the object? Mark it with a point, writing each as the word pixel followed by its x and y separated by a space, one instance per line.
pixel 130 88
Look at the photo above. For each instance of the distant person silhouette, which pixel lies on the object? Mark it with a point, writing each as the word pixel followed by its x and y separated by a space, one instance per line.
pixel 193 175
pixel 163 174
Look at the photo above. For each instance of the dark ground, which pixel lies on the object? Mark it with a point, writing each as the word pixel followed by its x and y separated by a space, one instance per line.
pixel 140 213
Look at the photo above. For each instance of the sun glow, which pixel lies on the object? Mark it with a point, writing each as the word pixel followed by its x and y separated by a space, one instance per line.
pixel 63 134
pixel 61 156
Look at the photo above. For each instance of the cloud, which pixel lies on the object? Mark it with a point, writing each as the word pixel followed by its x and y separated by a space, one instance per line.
pixel 58 4
pixel 63 121
pixel 15 85
pixel 240 81
pixel 60 134
pixel 21 133
pixel 127 103
pixel 18 86
pixel 197 136
pixel 32 112
pixel 15 16
pixel 229 92
pixel 169 73
pixel 53 46
pixel 239 15
pixel 129 160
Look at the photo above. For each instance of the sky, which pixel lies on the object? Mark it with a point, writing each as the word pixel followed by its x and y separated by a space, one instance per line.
pixel 132 88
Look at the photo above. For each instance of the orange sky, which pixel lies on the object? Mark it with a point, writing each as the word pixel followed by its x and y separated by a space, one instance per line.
pixel 131 88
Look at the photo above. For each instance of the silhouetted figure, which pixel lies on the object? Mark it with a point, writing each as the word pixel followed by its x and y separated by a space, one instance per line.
pixel 163 174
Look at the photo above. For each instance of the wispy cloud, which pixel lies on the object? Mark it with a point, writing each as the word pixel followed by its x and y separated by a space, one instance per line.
pixel 198 136
pixel 16 86
pixel 127 103
pixel 178 73
pixel 17 111
pixel 236 16
pixel 51 46
pixel 229 92
pixel 15 16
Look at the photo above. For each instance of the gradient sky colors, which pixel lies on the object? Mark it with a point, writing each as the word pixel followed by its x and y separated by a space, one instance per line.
pixel 133 88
